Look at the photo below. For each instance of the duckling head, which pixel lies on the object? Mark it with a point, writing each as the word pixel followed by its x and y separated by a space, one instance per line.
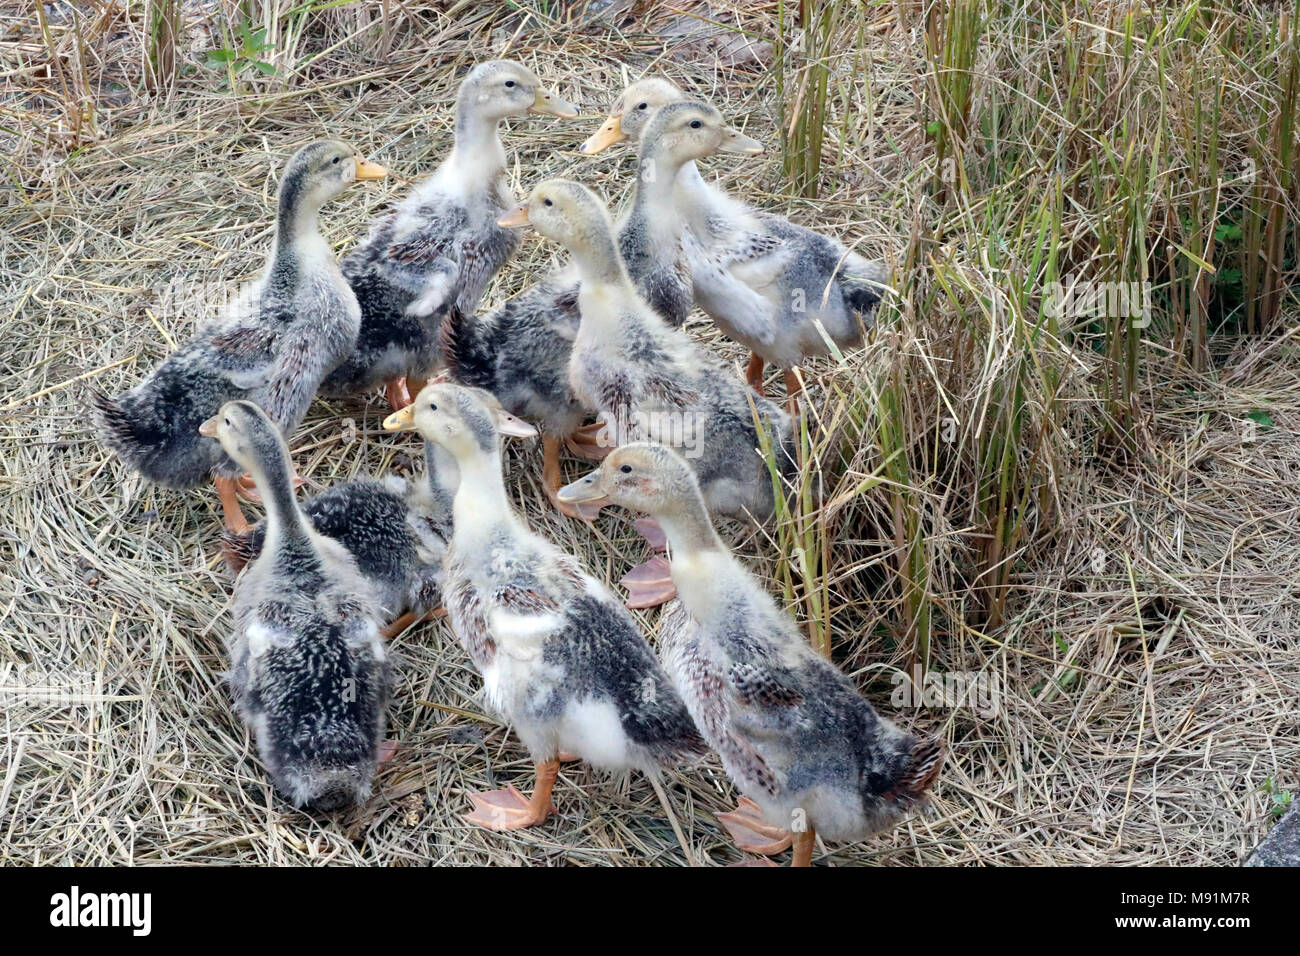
pixel 566 212
pixel 631 113
pixel 247 435
pixel 465 421
pixel 691 129
pixel 641 476
pixel 502 88
pixel 319 172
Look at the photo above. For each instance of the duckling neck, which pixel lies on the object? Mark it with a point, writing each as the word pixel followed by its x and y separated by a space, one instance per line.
pixel 480 493
pixel 654 188
pixel 477 150
pixel 297 217
pixel 690 532
pixel 598 262
pixel 274 482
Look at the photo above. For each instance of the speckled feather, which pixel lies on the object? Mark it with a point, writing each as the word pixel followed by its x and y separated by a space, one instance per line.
pixel 309 671
pixel 437 251
pixel 397 542
pixel 273 347
pixel 586 654
pixel 792 731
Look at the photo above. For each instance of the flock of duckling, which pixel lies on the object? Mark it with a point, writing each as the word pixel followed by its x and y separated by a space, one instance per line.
pixel 324 583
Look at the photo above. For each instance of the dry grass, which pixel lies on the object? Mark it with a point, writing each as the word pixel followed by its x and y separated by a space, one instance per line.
pixel 1144 644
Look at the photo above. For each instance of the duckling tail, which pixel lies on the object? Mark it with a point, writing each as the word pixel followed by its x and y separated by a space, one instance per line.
pixel 924 762
pixel 862 290
pixel 466 351
pixel 241 547
pixel 328 790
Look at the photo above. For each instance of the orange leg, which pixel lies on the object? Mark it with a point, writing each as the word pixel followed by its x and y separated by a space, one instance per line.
pixel 793 388
pixel 751 832
pixel 754 374
pixel 399 396
pixel 586 442
pixel 552 481
pixel 246 488
pixel 234 515
pixel 649 584
pixel 803 848
pixel 504 810
pixel 409 618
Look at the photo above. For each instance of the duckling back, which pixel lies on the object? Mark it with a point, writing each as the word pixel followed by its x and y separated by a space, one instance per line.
pixel 791 729
pixel 154 427
pixel 310 673
pixel 378 524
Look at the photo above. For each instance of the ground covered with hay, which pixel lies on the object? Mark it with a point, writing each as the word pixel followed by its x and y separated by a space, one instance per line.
pixel 1102 596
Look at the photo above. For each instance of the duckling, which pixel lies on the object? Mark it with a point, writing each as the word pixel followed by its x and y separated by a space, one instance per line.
pixel 397 531
pixel 794 734
pixel 561 659
pixel 779 289
pixel 441 247
pixel 652 382
pixel 273 347
pixel 651 240
pixel 309 670
pixel 521 352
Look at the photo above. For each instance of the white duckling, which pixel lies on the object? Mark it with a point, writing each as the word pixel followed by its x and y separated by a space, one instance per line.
pixel 561 659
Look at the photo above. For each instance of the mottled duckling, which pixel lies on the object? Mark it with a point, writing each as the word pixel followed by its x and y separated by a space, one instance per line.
pixel 561 659
pixel 780 289
pixel 521 352
pixel 441 247
pixel 649 381
pixel 396 530
pixel 273 347
pixel 652 239
pixel 794 734
pixel 309 669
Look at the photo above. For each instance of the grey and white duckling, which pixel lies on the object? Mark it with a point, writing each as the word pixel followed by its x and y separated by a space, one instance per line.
pixel 396 530
pixel 441 247
pixel 652 382
pixel 273 346
pixel 309 670
pixel 561 659
pixel 778 288
pixel 521 352
pixel 653 237
pixel 801 744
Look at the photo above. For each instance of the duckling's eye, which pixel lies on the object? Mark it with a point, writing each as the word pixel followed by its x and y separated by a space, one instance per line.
pixel 227 422
pixel 643 106
pixel 433 407
pixel 335 160
pixel 696 124
pixel 626 469
pixel 547 202
pixel 510 84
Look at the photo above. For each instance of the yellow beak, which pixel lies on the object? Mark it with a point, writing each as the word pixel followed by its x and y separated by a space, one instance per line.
pixel 368 170
pixel 605 137
pixel 514 218
pixel 547 102
pixel 403 421
pixel 209 428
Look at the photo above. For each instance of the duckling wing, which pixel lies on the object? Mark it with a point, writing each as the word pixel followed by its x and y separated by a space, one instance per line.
pixel 713 703
pixel 747 247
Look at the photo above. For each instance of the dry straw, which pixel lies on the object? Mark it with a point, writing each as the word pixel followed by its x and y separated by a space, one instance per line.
pixel 1098 521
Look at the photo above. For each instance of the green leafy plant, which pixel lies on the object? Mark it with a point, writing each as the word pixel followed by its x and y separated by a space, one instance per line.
pixel 247 46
